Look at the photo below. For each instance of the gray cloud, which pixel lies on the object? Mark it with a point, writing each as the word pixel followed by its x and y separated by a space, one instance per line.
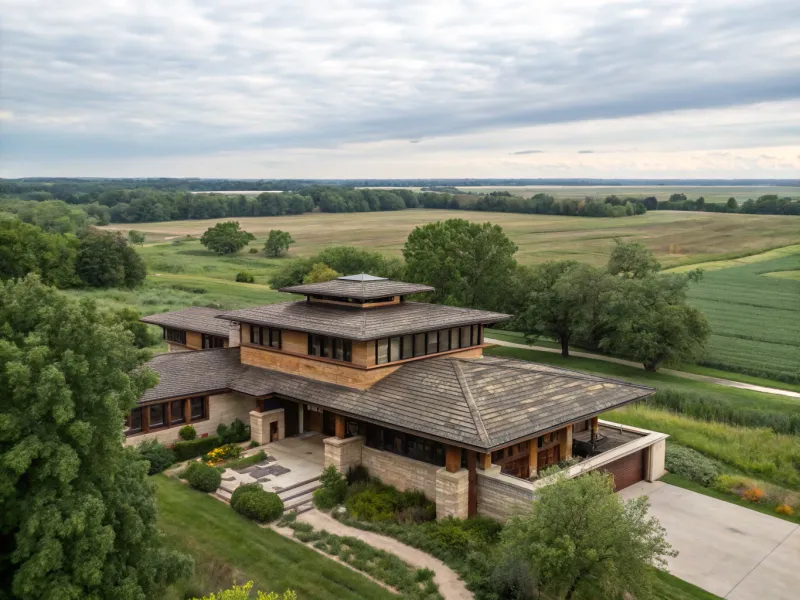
pixel 528 152
pixel 585 151
pixel 200 77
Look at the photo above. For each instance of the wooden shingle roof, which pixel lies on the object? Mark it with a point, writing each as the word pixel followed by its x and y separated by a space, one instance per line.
pixel 194 318
pixel 362 324
pixel 482 403
pixel 360 287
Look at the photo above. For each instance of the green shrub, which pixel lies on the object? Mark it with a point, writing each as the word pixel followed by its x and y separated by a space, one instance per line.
pixel 239 463
pixel 371 504
pixel 333 490
pixel 244 276
pixel 357 474
pixel 257 504
pixel 690 464
pixel 222 453
pixel 187 433
pixel 157 454
pixel 202 477
pixel 376 501
pixel 253 250
pixel 234 433
pixel 253 444
pixel 243 489
pixel 194 448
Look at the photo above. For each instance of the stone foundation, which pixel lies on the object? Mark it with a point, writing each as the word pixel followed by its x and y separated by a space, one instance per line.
pixel 452 493
pixel 260 425
pixel 343 454
pixel 501 496
pixel 401 472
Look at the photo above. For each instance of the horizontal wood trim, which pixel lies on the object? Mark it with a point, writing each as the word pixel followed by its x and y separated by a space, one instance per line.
pixel 171 398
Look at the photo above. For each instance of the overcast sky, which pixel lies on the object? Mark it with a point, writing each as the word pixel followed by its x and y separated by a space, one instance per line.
pixel 388 88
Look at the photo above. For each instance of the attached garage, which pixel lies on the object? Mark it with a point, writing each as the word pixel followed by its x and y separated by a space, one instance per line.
pixel 627 470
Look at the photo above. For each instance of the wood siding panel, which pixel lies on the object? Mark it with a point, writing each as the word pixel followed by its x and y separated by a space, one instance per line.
pixel 194 340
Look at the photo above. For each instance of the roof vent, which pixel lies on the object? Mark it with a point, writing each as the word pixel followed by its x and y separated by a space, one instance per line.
pixel 361 277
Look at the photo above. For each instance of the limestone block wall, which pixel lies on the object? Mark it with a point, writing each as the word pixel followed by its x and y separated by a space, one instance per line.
pixel 343 454
pixel 260 425
pixel 222 408
pixel 655 460
pixel 452 494
pixel 401 472
pixel 501 496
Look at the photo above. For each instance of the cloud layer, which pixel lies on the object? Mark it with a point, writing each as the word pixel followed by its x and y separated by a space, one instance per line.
pixel 268 89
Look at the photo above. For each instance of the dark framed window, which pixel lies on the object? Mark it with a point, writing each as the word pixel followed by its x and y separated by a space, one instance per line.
pixel 134 421
pixel 394 348
pixel 255 335
pixel 444 340
pixel 328 347
pixel 433 342
pixel 382 351
pixel 407 347
pixel 476 335
pixel 454 338
pixel 175 335
pixel 213 341
pixel 157 416
pixel 176 412
pixel 466 334
pixel 403 444
pixel 198 407
pixel 419 344
pixel 265 336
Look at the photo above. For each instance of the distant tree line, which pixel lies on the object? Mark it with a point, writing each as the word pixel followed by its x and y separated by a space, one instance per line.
pixel 769 204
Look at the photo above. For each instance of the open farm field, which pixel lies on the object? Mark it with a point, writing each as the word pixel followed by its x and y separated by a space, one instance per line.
pixel 715 194
pixel 676 237
pixel 754 317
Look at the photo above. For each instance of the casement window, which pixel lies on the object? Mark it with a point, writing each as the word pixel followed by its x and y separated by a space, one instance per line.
pixel 265 336
pixel 213 341
pixel 330 347
pixel 165 414
pixel 177 336
pixel 403 444
pixel 421 344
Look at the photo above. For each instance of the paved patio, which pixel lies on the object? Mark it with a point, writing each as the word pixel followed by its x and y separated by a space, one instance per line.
pixel 726 549
pixel 290 461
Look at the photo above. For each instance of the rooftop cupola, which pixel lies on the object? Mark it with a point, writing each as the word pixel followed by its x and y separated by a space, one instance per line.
pixel 361 290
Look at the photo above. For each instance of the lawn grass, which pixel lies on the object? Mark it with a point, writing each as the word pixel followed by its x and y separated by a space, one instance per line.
pixel 240 463
pixel 756 451
pixel 669 587
pixel 228 547
pixel 687 484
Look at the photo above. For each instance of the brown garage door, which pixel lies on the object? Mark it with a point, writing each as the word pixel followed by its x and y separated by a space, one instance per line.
pixel 626 470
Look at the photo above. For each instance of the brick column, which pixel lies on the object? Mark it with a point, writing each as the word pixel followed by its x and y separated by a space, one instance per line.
pixel 343 454
pixel 452 493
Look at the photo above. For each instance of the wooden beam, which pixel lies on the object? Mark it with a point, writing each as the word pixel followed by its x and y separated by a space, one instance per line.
pixel 485 461
pixel 453 459
pixel 187 410
pixel 145 419
pixel 472 481
pixel 595 427
pixel 566 442
pixel 168 416
pixel 340 427
pixel 533 453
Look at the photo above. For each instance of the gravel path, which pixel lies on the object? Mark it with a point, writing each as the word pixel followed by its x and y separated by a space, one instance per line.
pixel 629 363
pixel 450 586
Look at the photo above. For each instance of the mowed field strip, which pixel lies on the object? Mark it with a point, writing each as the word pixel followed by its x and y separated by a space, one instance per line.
pixel 676 237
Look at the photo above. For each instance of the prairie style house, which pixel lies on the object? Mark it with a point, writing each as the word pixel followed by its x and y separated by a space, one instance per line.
pixel 401 387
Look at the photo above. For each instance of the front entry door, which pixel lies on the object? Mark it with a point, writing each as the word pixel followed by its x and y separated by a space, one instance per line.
pixel 273 431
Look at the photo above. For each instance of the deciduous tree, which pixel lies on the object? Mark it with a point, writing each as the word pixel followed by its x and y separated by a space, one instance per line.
pixel 136 237
pixel 582 541
pixel 320 272
pixel 106 260
pixel 77 513
pixel 633 260
pixel 278 242
pixel 226 238
pixel 27 249
pixel 469 264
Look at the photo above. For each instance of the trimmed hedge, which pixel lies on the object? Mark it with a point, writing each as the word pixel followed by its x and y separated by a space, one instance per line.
pixel 202 477
pixel 157 454
pixel 187 433
pixel 194 448
pixel 252 501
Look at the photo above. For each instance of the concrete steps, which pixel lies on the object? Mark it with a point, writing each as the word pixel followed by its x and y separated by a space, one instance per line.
pixel 299 496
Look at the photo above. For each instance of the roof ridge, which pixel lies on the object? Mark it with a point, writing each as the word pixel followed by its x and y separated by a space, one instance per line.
pixel 570 373
pixel 473 406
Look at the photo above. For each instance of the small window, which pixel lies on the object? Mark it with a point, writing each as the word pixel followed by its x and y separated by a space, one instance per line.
pixel 275 338
pixel 382 351
pixel 325 347
pixel 198 408
pixel 175 335
pixel 338 350
pixel 255 334
pixel 134 421
pixel 433 342
pixel 419 344
pixel 454 338
pixel 476 335
pixel 394 348
pixel 213 341
pixel 156 416
pixel 176 412
pixel 347 350
pixel 444 340
pixel 407 347
pixel 465 336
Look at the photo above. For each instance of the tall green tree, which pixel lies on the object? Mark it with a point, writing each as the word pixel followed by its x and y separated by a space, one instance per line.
pixel 136 237
pixel 581 540
pixel 27 249
pixel 633 260
pixel 106 260
pixel 649 320
pixel 278 242
pixel 226 238
pixel 320 272
pixel 469 264
pixel 77 513
pixel 561 301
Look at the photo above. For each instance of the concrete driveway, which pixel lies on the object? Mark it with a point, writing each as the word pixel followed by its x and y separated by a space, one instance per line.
pixel 731 551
